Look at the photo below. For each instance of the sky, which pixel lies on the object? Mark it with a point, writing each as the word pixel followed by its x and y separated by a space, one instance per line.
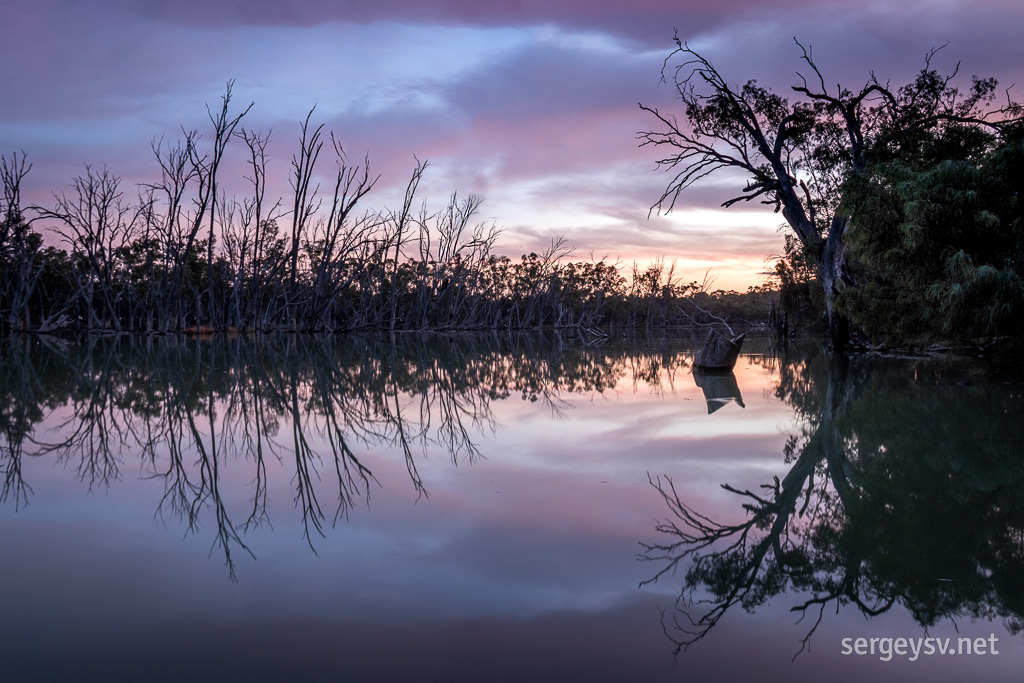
pixel 530 104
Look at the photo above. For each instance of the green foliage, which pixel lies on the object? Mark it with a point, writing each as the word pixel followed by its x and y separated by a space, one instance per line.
pixel 937 239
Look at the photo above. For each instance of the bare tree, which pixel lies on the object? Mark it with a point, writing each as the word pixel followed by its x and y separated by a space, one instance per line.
pixel 341 233
pixel 177 174
pixel 18 248
pixel 400 223
pixel 263 223
pixel 97 223
pixel 224 126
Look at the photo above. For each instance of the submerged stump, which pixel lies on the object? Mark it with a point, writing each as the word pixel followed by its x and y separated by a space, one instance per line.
pixel 719 352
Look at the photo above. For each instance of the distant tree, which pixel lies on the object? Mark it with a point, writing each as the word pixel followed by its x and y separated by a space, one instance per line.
pixel 800 295
pixel 802 156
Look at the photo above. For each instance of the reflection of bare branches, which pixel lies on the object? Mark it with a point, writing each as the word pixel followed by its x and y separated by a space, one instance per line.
pixel 873 511
pixel 17 414
pixel 101 429
pixel 209 488
pixel 403 440
pixel 746 563
pixel 14 486
pixel 353 476
pixel 192 409
pixel 305 470
pixel 454 407
pixel 246 432
pixel 452 431
pixel 733 566
pixel 178 489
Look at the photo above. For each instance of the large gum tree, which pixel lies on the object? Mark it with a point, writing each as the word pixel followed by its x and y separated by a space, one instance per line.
pixel 800 155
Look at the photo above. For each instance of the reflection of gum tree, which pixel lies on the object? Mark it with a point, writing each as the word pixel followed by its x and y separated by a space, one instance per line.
pixel 901 491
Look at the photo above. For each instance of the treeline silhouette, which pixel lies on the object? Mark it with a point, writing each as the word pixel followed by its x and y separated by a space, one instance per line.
pixel 180 254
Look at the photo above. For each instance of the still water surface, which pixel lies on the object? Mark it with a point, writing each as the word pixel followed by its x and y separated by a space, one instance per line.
pixel 501 508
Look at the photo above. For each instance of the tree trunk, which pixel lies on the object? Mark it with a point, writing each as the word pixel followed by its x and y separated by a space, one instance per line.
pixel 719 352
pixel 835 277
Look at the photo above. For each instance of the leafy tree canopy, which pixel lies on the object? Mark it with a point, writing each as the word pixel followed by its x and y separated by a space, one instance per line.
pixel 938 237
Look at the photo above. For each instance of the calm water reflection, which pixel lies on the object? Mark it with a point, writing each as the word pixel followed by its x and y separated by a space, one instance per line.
pixel 470 508
pixel 905 487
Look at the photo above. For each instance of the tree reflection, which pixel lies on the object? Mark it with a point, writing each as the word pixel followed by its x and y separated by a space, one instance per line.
pixel 904 487
pixel 204 415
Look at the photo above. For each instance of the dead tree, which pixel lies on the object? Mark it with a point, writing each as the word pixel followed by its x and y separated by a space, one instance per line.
pixel 97 223
pixel 223 130
pixel 340 235
pixel 18 248
pixel 177 174
pixel 304 205
pixel 400 225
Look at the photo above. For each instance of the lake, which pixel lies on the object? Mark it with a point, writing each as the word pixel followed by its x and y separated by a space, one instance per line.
pixel 504 508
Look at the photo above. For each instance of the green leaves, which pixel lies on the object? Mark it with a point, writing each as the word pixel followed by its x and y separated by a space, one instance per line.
pixel 938 240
